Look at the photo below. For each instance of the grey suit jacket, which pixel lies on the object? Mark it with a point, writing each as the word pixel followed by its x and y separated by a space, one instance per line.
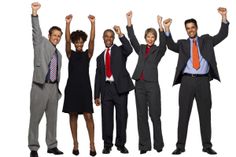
pixel 206 46
pixel 149 64
pixel 43 52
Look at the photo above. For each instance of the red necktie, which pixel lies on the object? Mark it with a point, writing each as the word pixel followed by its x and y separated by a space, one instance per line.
pixel 196 63
pixel 108 63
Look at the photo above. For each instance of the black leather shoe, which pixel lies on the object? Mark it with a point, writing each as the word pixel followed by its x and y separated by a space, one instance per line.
pixel 55 151
pixel 143 151
pixel 123 149
pixel 106 150
pixel 92 153
pixel 209 151
pixel 75 152
pixel 159 150
pixel 33 153
pixel 178 151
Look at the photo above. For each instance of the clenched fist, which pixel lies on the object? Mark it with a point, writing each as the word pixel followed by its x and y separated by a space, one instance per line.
pixel 69 18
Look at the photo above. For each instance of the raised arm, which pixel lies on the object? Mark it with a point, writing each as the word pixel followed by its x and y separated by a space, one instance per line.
pixel 162 38
pixel 131 35
pixel 223 33
pixel 169 41
pixel 67 36
pixel 125 43
pixel 92 36
pixel 36 30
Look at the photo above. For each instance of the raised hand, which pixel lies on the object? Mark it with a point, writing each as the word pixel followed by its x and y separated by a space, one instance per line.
pixel 35 7
pixel 118 30
pixel 69 18
pixel 167 23
pixel 129 16
pixel 159 21
pixel 222 11
pixel 91 18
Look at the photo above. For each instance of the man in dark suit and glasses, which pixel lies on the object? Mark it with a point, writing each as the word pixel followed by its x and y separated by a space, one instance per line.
pixel 196 67
pixel 113 83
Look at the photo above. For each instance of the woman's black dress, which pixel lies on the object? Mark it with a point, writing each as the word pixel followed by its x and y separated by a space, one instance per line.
pixel 78 93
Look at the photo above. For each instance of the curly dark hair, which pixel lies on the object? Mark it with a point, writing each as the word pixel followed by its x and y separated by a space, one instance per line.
pixel 76 35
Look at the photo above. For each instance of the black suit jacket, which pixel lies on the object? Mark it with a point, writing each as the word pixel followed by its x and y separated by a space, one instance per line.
pixel 206 46
pixel 123 82
pixel 149 64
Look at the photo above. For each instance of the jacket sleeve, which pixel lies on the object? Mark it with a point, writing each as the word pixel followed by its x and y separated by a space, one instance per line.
pixel 127 49
pixel 133 39
pixel 97 88
pixel 173 46
pixel 162 45
pixel 36 31
pixel 222 34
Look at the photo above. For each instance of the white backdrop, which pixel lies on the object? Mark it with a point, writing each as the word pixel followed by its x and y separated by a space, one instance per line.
pixel 16 66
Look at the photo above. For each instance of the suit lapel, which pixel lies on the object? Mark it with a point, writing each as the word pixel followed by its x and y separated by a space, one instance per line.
pixel 143 50
pixel 102 59
pixel 200 42
pixel 113 54
pixel 186 48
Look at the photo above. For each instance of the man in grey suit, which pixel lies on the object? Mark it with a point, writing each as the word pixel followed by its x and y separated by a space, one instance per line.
pixel 196 67
pixel 44 94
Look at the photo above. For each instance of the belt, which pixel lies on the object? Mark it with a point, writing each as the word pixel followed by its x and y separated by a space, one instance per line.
pixel 109 82
pixel 195 75
pixel 51 82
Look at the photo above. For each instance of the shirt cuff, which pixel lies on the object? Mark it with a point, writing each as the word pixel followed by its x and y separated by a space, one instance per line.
pixel 167 34
pixel 225 21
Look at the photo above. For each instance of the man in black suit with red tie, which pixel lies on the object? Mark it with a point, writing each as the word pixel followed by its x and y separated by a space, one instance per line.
pixel 196 67
pixel 112 84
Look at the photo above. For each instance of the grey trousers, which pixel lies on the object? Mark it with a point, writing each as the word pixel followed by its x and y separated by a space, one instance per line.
pixel 43 98
pixel 148 100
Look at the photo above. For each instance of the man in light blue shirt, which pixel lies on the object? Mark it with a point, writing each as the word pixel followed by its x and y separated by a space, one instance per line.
pixel 196 67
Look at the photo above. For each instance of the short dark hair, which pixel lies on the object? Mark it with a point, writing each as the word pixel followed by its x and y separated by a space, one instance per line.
pixel 77 35
pixel 109 30
pixel 54 28
pixel 150 30
pixel 190 21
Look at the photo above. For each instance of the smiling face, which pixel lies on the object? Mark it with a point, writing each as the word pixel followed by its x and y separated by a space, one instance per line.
pixel 150 36
pixel 191 29
pixel 108 37
pixel 150 39
pixel 55 37
pixel 79 45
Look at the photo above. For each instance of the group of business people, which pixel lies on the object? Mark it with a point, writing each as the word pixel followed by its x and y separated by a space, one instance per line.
pixel 196 67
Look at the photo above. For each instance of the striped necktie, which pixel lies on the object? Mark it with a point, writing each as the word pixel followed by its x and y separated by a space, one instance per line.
pixel 53 67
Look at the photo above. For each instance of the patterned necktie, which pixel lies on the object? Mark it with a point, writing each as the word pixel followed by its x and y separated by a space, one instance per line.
pixel 195 56
pixel 108 64
pixel 53 67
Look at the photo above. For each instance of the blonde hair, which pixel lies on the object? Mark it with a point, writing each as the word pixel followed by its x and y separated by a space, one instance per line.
pixel 150 30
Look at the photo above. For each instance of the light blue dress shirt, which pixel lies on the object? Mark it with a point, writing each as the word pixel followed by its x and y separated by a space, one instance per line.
pixel 204 66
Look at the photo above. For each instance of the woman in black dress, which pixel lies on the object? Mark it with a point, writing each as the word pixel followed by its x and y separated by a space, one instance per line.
pixel 78 93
